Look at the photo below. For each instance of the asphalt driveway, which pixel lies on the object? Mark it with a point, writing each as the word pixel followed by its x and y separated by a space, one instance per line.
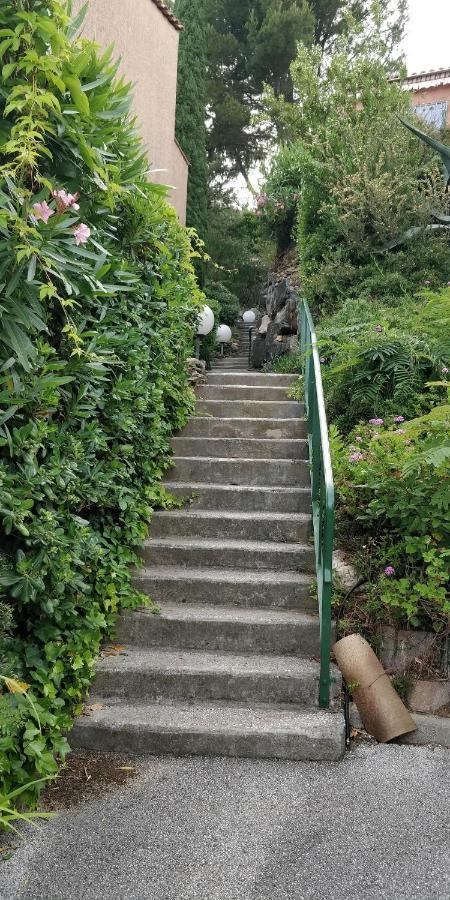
pixel 375 825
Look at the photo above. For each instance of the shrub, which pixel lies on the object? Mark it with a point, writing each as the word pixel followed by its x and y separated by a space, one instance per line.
pixel 358 177
pixel 393 489
pixel 237 244
pixel 228 306
pixel 98 314
pixel 383 357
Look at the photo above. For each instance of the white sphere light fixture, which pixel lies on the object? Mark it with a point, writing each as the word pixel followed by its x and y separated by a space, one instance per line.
pixel 223 334
pixel 205 321
pixel 249 317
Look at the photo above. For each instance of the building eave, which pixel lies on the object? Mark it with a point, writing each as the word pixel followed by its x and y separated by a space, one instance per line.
pixel 168 14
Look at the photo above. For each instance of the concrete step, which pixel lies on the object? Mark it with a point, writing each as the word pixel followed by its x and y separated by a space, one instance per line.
pixel 240 471
pixel 153 674
pixel 215 552
pixel 242 497
pixel 221 628
pixel 281 429
pixel 260 392
pixel 228 587
pixel 253 378
pixel 211 729
pixel 240 448
pixel 215 523
pixel 254 409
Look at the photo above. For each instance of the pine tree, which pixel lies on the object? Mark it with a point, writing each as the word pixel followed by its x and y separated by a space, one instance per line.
pixel 191 108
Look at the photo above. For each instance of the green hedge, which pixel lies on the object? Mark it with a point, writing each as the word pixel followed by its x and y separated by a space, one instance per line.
pixel 98 307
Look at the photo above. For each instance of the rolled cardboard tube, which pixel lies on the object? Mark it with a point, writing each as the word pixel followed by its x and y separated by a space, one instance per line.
pixel 381 710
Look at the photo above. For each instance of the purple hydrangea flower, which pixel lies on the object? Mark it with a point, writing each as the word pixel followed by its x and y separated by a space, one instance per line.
pixel 445 370
pixel 399 419
pixel 389 571
pixel 355 457
pixel 376 421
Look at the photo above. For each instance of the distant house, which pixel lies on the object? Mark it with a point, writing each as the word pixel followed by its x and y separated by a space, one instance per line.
pixel 145 34
pixel 430 96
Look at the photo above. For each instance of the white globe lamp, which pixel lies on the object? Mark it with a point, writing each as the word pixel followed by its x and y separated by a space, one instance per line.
pixel 205 321
pixel 249 317
pixel 205 324
pixel 223 336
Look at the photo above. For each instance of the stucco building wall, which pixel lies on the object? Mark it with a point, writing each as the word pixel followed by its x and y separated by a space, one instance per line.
pixel 147 43
pixel 424 96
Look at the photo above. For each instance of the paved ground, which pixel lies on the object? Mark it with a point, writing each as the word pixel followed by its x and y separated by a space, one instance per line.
pixel 373 827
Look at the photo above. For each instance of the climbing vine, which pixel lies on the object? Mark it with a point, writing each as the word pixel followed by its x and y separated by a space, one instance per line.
pixel 98 305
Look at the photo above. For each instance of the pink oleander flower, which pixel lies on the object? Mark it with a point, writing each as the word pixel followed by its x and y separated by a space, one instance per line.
pixel 399 419
pixel 81 234
pixel 445 370
pixel 376 421
pixel 378 329
pixel 358 438
pixel 355 457
pixel 261 200
pixel 42 211
pixel 65 201
pixel 389 571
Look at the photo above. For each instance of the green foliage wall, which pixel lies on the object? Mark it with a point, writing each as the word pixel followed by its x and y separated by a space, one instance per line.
pixel 350 180
pixel 191 108
pixel 98 307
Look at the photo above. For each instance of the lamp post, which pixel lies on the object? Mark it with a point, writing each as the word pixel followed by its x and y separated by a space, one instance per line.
pixel 223 336
pixel 249 317
pixel 205 325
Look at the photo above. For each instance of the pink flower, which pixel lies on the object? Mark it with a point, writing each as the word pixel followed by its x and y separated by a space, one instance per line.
pixel 358 438
pixel 399 431
pixel 261 200
pixel 378 328
pixel 355 457
pixel 376 421
pixel 399 419
pixel 322 359
pixel 389 571
pixel 42 211
pixel 65 201
pixel 81 234
pixel 445 370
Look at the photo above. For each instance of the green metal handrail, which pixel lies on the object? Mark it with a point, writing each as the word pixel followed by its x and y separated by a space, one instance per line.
pixel 322 489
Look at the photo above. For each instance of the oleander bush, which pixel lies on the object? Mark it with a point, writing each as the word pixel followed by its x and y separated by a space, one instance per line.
pixel 98 310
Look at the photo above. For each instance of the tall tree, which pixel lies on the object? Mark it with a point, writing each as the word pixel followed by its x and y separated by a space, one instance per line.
pixel 252 43
pixel 191 107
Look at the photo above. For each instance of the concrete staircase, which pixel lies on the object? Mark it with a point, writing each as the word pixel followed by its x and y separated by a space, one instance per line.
pixel 230 666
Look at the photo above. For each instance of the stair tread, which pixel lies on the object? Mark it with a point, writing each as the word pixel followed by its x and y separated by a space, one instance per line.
pixel 256 489
pixel 219 717
pixel 243 459
pixel 231 574
pixel 180 661
pixel 244 615
pixel 228 543
pixel 232 514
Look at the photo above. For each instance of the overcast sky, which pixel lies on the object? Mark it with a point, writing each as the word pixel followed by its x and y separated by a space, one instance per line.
pixel 427 44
